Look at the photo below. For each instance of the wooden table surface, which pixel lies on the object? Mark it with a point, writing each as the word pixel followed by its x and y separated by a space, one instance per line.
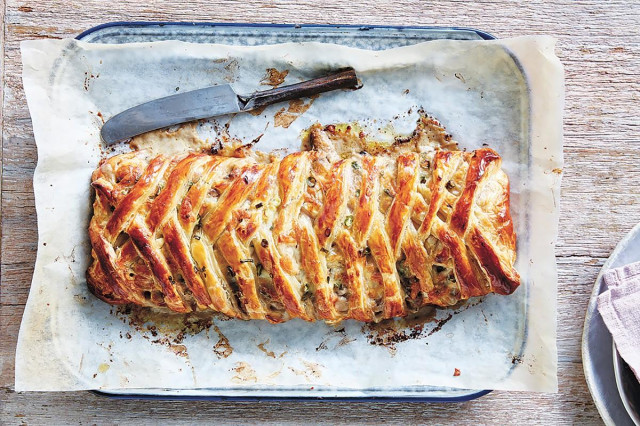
pixel 599 45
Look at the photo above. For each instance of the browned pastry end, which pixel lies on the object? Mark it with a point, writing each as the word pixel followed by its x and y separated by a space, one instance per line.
pixel 344 231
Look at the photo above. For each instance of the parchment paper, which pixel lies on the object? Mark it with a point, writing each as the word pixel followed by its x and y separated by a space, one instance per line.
pixel 506 93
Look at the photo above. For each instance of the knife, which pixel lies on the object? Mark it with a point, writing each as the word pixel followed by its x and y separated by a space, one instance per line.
pixel 211 102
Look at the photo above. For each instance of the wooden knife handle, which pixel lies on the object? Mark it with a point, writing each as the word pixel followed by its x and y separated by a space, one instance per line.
pixel 345 79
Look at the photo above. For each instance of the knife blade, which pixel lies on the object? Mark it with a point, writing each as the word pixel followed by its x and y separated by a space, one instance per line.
pixel 213 101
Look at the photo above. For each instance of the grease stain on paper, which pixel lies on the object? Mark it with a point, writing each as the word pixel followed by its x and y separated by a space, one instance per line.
pixel 180 350
pixel 297 107
pixel 89 76
pixel 333 335
pixel 389 333
pixel 310 372
pixel 171 140
pixel 267 352
pixel 164 329
pixel 174 327
pixel 222 348
pixel 231 69
pixel 244 373
pixel 273 77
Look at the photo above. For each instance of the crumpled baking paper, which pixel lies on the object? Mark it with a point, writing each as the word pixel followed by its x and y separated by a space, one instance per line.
pixel 505 93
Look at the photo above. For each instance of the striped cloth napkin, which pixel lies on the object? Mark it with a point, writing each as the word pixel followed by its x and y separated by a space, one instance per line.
pixel 619 307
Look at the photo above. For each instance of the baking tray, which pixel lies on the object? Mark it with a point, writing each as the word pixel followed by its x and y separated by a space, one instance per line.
pixel 363 37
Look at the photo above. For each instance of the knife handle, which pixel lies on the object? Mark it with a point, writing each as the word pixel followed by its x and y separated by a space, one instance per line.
pixel 345 79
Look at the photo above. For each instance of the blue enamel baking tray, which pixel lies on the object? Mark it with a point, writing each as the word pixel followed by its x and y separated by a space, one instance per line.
pixel 373 37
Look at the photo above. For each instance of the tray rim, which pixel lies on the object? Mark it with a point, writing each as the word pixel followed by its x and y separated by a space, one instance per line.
pixel 257 398
pixel 131 24
pixel 474 394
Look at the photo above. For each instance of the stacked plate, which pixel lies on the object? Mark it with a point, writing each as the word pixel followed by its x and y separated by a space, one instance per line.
pixel 628 386
pixel 614 387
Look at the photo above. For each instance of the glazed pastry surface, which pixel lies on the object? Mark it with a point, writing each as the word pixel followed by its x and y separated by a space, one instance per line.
pixel 349 229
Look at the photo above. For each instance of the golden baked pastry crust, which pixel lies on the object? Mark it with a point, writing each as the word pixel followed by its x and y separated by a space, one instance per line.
pixel 347 230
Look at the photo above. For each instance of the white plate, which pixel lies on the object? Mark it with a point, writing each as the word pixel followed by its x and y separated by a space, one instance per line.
pixel 597 344
pixel 628 386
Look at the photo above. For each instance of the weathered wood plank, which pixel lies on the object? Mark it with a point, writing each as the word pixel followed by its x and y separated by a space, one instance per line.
pixel 570 406
pixel 599 46
pixel 2 44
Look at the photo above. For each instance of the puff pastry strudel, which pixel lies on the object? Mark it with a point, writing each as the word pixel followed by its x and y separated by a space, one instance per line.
pixel 345 230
